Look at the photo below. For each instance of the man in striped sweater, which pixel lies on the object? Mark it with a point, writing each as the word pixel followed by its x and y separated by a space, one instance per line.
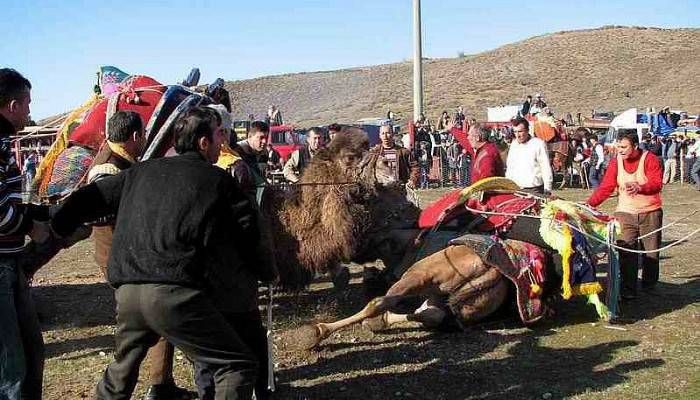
pixel 21 344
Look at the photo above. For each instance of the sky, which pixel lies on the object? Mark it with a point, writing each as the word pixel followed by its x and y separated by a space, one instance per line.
pixel 59 45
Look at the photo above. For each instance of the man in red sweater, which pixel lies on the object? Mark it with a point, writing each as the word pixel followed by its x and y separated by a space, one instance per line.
pixel 637 176
pixel 487 159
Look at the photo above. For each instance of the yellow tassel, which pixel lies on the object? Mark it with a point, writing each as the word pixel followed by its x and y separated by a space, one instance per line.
pixel 566 251
pixel 586 289
pixel 535 289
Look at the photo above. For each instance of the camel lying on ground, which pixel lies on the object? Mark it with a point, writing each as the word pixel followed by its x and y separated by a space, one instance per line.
pixel 465 277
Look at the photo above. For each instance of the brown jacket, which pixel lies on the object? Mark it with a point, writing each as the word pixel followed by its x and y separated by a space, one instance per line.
pixel 106 163
pixel 406 164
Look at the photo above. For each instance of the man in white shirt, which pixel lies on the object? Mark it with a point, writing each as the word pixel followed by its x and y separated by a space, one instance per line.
pixel 528 161
pixel 595 168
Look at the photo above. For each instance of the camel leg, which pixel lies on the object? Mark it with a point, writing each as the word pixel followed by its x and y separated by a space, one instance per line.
pixel 309 336
pixel 430 314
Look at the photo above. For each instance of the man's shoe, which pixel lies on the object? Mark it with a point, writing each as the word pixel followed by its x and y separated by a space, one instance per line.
pixel 168 391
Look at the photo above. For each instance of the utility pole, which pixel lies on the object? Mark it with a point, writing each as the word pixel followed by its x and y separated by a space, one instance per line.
pixel 417 63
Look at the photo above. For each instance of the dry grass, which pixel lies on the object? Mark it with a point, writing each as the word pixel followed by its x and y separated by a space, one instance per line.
pixel 576 71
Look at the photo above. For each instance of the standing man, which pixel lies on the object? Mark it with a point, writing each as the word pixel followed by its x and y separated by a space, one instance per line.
pixel 399 159
pixel 125 141
pixel 301 157
pixel 596 160
pixel 528 161
pixel 274 115
pixel 636 175
pixel 333 129
pixel 694 149
pixel 487 161
pixel 459 117
pixel 525 109
pixel 175 248
pixel 252 152
pixel 21 344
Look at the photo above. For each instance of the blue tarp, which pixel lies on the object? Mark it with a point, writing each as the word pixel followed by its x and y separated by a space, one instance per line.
pixel 661 126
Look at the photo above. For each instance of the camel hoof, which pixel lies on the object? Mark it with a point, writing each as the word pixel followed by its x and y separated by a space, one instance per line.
pixel 341 280
pixel 376 324
pixel 306 337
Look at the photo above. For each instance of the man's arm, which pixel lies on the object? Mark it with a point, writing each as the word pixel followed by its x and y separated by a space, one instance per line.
pixel 291 167
pixel 414 170
pixel 14 219
pixel 88 203
pixel 545 167
pixel 654 174
pixel 607 186
pixel 252 238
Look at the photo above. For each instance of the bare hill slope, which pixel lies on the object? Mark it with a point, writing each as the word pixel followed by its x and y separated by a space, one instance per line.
pixel 610 68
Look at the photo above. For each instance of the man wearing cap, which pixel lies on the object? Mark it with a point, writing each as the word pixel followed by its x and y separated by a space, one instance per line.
pixel 636 175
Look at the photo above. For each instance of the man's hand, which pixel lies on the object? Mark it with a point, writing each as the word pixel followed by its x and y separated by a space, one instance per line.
pixel 632 188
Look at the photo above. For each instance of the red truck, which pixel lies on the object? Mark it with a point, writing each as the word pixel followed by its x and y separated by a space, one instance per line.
pixel 285 139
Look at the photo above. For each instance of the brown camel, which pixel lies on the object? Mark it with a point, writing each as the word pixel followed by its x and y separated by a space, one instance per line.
pixel 456 281
pixel 339 212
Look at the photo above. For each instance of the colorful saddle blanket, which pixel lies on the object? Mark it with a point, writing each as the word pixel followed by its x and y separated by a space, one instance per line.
pixel 522 263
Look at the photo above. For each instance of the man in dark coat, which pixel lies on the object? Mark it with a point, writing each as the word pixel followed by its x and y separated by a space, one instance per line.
pixel 21 344
pixel 184 235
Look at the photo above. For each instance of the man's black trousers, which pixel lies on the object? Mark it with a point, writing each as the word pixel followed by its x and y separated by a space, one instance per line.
pixel 186 318
pixel 251 331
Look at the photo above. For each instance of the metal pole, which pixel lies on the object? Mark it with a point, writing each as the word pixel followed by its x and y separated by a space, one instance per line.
pixel 417 63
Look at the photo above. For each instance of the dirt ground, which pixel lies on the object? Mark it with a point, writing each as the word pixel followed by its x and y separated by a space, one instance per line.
pixel 654 355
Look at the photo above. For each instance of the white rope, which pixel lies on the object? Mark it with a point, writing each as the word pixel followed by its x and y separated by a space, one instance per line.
pixel 668 225
pixel 586 234
pixel 39 128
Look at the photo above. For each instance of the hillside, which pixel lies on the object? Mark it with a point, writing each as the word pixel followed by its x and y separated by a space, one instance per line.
pixel 610 68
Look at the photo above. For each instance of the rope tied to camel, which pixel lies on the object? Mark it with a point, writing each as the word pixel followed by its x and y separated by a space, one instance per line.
pixel 587 235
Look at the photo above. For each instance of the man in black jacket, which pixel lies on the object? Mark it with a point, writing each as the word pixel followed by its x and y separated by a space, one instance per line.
pixel 184 234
